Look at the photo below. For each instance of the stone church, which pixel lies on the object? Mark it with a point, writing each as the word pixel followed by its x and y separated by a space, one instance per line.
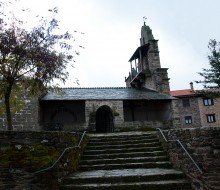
pixel 144 102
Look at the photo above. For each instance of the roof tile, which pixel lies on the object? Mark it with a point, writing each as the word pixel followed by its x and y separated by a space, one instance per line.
pixel 106 93
pixel 186 92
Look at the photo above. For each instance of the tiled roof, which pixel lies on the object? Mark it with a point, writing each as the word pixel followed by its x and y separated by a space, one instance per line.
pixel 118 93
pixel 186 92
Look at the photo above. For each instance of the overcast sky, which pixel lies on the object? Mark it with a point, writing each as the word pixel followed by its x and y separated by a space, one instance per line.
pixel 112 32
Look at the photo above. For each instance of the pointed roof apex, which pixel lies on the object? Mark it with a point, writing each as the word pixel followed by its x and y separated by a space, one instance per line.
pixel 146 33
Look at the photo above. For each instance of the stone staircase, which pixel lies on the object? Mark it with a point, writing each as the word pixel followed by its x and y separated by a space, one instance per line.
pixel 133 160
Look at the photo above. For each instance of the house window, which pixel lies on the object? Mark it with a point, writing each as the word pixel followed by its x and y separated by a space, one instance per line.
pixel 211 118
pixel 208 102
pixel 188 119
pixel 186 102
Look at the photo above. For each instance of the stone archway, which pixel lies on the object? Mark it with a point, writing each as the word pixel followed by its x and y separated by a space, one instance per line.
pixel 104 120
pixel 63 115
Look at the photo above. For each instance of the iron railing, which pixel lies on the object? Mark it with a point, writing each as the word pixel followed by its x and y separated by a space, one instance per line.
pixel 61 155
pixel 181 145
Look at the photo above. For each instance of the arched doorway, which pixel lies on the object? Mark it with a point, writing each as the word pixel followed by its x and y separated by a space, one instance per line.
pixel 104 120
pixel 63 115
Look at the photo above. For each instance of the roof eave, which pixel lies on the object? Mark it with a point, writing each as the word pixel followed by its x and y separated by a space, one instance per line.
pixel 136 53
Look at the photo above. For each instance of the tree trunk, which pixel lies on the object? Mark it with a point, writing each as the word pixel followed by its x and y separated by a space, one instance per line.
pixel 7 107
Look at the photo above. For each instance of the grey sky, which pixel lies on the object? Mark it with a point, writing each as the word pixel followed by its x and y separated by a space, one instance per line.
pixel 112 32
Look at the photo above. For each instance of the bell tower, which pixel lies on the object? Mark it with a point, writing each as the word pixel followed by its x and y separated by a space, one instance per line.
pixel 146 34
pixel 146 70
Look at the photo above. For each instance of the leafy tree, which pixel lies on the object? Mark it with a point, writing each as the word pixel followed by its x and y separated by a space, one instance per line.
pixel 31 59
pixel 211 76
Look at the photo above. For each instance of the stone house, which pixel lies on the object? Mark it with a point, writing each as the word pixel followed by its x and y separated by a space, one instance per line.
pixel 144 102
pixel 195 109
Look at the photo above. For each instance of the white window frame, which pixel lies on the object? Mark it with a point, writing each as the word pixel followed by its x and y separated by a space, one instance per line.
pixel 188 119
pixel 211 118
pixel 208 101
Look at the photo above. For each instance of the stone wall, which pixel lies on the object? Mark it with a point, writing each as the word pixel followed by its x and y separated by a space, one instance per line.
pixel 36 116
pixel 141 125
pixel 212 109
pixel 24 119
pixel 191 110
pixel 174 115
pixel 159 77
pixel 23 153
pixel 203 144
pixel 198 111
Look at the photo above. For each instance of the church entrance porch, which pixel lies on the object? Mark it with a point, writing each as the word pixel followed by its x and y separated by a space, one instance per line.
pixel 104 120
pixel 147 110
pixel 63 115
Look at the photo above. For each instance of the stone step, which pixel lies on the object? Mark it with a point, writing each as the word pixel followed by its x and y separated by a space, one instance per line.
pixel 124 155
pixel 122 141
pixel 106 166
pixel 125 150
pixel 155 185
pixel 121 146
pixel 123 160
pixel 129 175
pixel 132 160
pixel 113 137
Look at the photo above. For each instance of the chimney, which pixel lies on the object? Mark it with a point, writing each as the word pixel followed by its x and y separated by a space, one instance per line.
pixel 191 86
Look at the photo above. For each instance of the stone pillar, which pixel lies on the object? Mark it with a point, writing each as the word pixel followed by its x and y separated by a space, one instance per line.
pixel 175 116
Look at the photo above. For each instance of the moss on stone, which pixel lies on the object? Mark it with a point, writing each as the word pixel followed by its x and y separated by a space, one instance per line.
pixel 29 152
pixel 28 157
pixel 75 155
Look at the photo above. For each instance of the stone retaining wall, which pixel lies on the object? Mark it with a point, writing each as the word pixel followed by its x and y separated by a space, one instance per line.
pixel 23 153
pixel 203 144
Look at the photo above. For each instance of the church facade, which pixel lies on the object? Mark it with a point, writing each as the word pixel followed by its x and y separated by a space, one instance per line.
pixel 106 109
pixel 144 102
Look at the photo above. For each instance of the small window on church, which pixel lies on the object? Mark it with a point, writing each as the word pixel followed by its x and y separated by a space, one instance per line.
pixel 186 102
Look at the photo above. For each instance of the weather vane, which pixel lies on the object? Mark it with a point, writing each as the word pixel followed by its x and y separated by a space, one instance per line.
pixel 144 19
